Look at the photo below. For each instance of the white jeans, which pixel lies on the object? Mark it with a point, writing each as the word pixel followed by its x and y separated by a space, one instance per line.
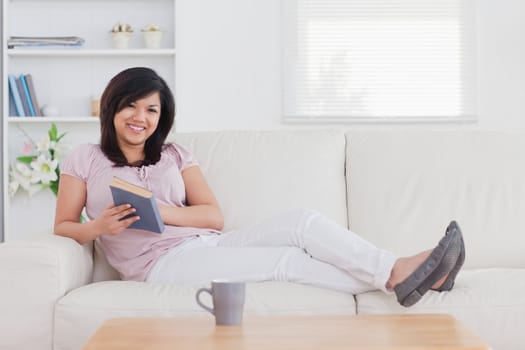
pixel 299 246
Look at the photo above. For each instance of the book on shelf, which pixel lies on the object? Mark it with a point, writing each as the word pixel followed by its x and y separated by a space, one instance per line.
pixel 32 94
pixel 23 97
pixel 44 41
pixel 12 107
pixel 142 200
pixel 27 95
pixel 22 91
pixel 13 89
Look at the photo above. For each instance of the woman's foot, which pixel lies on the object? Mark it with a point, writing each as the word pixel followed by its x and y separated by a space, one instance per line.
pixel 413 276
pixel 405 266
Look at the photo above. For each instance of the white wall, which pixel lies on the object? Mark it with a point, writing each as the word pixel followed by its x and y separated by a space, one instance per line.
pixel 229 62
pixel 501 63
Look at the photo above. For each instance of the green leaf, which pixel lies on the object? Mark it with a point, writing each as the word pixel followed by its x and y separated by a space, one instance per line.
pixel 60 137
pixel 53 132
pixel 26 159
pixel 53 186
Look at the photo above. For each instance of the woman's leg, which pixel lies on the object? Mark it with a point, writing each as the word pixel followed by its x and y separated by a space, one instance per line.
pixel 305 247
pixel 322 239
pixel 200 260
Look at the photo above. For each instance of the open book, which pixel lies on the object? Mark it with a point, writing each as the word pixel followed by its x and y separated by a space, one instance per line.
pixel 142 200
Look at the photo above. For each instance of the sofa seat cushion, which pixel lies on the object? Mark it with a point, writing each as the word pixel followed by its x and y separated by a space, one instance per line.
pixel 82 311
pixel 478 296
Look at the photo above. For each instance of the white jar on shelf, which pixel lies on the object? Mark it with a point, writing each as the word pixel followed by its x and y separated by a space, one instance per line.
pixel 120 35
pixel 152 36
pixel 152 40
pixel 120 40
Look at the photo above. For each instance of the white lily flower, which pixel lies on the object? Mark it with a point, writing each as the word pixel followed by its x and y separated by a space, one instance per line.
pixel 21 176
pixel 41 172
pixel 44 144
pixel 44 170
pixel 61 150
pixel 24 170
pixel 13 187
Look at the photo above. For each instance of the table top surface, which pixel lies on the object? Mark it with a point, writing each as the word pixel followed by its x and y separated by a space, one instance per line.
pixel 275 332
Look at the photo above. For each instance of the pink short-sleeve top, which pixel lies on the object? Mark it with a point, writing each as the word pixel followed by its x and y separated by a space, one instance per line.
pixel 134 252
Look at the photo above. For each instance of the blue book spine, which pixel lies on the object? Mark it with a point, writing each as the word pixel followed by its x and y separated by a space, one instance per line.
pixel 16 96
pixel 23 99
pixel 27 95
pixel 12 108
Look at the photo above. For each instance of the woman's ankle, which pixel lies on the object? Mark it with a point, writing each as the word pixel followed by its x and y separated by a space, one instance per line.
pixel 404 267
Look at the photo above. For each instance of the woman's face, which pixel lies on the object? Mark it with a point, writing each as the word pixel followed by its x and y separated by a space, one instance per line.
pixel 137 122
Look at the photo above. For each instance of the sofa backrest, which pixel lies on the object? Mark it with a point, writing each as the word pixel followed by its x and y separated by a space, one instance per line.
pixel 405 185
pixel 258 174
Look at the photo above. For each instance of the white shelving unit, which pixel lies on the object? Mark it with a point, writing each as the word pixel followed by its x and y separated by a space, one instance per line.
pixel 68 79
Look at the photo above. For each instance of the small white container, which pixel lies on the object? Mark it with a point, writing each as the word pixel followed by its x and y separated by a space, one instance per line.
pixel 152 39
pixel 50 111
pixel 120 40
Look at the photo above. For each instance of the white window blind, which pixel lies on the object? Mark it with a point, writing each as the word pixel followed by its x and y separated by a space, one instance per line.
pixel 373 60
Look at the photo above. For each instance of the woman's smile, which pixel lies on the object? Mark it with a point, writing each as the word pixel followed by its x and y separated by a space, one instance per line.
pixel 136 128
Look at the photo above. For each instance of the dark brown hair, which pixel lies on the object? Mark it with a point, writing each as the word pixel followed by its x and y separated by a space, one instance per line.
pixel 124 88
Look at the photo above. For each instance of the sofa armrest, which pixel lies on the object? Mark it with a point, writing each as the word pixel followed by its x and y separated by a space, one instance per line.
pixel 34 274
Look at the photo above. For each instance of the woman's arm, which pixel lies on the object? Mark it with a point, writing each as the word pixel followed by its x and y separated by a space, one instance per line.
pixel 203 209
pixel 71 199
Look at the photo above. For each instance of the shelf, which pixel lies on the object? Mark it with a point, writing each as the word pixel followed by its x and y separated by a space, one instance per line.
pixel 29 120
pixel 80 52
pixel 69 78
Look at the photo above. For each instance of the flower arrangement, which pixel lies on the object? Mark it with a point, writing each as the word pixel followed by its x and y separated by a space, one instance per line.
pixel 122 28
pixel 152 28
pixel 38 168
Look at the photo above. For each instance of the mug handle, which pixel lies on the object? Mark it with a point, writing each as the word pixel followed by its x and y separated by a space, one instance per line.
pixel 207 308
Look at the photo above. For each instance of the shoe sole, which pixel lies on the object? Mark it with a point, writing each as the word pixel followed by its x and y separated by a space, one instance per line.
pixel 451 278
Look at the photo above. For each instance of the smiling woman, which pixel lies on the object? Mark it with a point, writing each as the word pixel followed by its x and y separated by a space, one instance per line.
pixel 302 245
pixel 136 115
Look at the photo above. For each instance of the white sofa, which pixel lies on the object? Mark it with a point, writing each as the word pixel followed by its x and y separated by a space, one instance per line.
pixel 396 187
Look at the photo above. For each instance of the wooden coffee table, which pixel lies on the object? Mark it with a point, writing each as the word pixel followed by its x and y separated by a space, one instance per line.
pixel 363 332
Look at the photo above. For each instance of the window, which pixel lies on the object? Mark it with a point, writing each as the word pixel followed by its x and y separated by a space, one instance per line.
pixel 373 60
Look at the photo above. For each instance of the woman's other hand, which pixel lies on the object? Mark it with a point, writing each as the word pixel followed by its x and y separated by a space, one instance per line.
pixel 112 221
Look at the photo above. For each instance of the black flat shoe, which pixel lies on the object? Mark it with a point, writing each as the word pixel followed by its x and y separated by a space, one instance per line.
pixel 438 264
